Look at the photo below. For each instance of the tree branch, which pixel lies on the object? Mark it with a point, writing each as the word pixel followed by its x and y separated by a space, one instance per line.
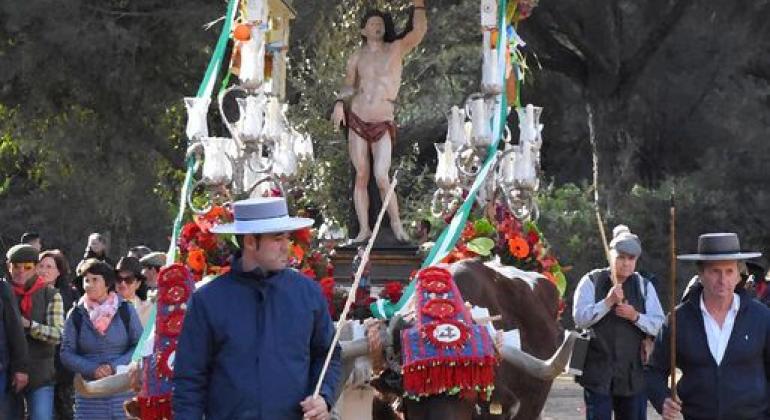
pixel 631 69
pixel 557 55
pixel 570 34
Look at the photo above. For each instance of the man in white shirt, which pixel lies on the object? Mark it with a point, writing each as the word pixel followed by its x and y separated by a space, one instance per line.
pixel 621 312
pixel 723 342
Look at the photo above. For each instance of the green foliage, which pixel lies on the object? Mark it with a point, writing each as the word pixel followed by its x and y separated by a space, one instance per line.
pixel 481 246
pixel 91 119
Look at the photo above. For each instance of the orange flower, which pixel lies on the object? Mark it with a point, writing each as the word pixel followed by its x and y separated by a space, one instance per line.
pixel 303 236
pixel 298 252
pixel 469 232
pixel 518 247
pixel 216 212
pixel 196 260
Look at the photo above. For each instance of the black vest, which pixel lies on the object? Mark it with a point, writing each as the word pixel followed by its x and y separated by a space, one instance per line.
pixel 613 363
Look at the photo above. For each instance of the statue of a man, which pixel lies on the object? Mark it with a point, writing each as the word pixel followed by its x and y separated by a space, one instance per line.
pixel 371 85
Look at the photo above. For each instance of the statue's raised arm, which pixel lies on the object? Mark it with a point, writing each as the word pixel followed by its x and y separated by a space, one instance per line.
pixel 420 26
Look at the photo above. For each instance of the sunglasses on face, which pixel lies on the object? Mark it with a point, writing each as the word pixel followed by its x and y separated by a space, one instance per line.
pixel 23 266
pixel 126 279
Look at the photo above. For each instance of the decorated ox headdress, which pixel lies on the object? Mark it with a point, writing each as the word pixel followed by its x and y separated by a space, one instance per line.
pixel 445 352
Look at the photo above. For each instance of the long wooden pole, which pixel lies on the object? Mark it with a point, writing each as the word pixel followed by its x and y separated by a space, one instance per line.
pixel 354 286
pixel 672 313
pixel 595 171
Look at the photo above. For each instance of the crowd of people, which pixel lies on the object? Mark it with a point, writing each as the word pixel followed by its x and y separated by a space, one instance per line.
pixel 54 327
pixel 57 323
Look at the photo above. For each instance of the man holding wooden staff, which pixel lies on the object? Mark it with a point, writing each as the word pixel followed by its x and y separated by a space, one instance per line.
pixel 621 308
pixel 255 339
pixel 722 342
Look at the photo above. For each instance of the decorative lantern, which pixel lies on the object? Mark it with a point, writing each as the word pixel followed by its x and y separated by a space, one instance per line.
pixel 285 160
pixel 217 167
pixel 197 108
pixel 478 110
pixel 252 71
pixel 446 171
pixel 489 14
pixel 256 11
pixel 252 110
pixel 303 146
pixel 456 128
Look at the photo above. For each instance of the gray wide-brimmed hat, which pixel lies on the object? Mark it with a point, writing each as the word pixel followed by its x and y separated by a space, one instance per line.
pixel 262 215
pixel 154 259
pixel 719 247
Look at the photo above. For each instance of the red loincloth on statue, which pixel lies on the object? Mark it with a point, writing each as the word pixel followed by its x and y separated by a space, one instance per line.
pixel 371 132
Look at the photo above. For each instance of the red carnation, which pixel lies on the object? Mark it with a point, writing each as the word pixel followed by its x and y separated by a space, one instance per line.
pixel 469 232
pixel 303 236
pixel 207 241
pixel 532 237
pixel 189 230
pixel 393 291
pixel 327 288
pixel 309 272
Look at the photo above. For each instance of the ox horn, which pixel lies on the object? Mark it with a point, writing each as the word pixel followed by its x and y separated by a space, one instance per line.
pixel 104 387
pixel 354 348
pixel 546 370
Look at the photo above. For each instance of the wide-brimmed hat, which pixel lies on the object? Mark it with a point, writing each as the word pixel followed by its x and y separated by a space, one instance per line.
pixel 719 247
pixel 262 215
pixel 130 264
pixel 154 259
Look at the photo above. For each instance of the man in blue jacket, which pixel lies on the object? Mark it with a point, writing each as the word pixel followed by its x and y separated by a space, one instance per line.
pixel 722 342
pixel 255 339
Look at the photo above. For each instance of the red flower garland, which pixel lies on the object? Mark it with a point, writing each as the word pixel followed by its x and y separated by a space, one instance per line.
pixel 435 280
pixel 165 369
pixel 171 325
pixel 439 309
pixel 174 293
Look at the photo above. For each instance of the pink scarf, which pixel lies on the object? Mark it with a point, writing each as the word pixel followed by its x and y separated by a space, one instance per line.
pixel 101 313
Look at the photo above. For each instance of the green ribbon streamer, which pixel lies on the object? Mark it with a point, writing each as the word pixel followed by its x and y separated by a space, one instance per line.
pixel 450 234
pixel 205 89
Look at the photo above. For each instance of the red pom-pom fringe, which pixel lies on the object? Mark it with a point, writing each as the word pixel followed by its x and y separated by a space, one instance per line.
pixel 436 376
pixel 155 408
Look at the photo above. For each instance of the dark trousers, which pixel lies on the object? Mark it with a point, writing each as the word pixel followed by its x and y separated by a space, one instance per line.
pixel 601 406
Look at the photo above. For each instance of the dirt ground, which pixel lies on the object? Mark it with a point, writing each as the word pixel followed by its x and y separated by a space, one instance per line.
pixel 566 401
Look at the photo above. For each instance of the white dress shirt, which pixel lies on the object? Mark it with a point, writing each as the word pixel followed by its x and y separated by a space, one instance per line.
pixel 587 312
pixel 719 337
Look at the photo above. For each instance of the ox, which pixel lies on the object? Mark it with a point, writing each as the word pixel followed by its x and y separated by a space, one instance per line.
pixel 523 301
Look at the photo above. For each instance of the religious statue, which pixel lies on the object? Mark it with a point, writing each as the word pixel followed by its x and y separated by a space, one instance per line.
pixel 366 106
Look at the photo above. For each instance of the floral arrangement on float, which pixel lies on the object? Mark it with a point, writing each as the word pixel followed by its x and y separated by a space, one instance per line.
pixel 200 250
pixel 516 243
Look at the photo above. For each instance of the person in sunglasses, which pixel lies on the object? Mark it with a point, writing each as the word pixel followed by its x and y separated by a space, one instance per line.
pixel 42 316
pixel 130 285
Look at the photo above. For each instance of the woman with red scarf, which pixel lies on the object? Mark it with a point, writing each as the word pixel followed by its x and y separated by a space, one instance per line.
pixel 42 316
